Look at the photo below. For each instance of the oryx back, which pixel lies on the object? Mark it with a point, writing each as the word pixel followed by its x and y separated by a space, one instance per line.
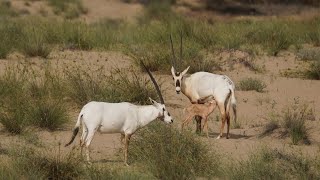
pixel 109 117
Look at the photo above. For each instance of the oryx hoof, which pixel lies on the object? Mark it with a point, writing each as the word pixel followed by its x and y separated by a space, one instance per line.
pixel 218 137
pixel 126 164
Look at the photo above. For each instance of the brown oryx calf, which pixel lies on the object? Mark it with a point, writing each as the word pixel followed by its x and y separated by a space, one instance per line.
pixel 202 110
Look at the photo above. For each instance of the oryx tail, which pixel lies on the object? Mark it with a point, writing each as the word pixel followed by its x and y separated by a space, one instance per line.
pixel 231 101
pixel 75 129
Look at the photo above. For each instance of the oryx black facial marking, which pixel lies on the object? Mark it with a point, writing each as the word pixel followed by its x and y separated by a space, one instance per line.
pixel 178 83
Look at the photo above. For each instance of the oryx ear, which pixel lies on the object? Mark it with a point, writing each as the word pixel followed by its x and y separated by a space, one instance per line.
pixel 185 71
pixel 152 101
pixel 172 71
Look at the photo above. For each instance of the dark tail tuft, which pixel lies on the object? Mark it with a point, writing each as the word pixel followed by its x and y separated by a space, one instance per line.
pixel 75 132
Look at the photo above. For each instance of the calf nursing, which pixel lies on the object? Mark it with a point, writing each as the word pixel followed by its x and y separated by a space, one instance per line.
pixel 202 110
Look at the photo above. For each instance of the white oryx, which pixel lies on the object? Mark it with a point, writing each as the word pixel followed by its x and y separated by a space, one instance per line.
pixel 124 118
pixel 203 84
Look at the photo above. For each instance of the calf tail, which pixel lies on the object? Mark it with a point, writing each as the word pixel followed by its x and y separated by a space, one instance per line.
pixel 75 130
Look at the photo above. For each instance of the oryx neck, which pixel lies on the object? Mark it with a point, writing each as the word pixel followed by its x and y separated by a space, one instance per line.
pixel 184 80
pixel 147 114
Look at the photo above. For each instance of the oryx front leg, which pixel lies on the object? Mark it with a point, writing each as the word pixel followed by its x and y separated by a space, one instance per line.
pixel 205 125
pixel 126 145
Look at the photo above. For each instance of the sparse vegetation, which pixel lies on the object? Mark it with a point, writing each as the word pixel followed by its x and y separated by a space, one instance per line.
pixel 292 123
pixel 274 164
pixel 27 100
pixel 70 8
pixel 249 84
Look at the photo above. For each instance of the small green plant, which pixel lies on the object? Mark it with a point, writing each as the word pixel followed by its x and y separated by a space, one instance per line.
pixel 170 154
pixel 249 84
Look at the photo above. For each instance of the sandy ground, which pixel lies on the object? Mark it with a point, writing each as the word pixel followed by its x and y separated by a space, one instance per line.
pixel 253 107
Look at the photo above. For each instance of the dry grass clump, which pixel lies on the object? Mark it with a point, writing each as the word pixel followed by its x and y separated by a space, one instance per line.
pixel 249 84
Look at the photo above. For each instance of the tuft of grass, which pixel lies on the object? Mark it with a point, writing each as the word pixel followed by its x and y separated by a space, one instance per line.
pixel 49 114
pixel 249 84
pixel 294 120
pixel 314 71
pixel 170 154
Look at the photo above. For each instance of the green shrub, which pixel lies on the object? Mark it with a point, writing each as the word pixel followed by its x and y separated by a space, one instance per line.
pixel 30 99
pixel 169 154
pixel 32 163
pixel 87 85
pixel 249 84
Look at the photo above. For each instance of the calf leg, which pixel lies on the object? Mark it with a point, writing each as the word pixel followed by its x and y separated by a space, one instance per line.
pixel 198 125
pixel 185 122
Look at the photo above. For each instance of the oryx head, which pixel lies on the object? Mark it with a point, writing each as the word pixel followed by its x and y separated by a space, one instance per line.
pixel 176 75
pixel 163 113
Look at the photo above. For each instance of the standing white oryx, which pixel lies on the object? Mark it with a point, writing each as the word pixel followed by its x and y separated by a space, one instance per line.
pixel 203 84
pixel 124 118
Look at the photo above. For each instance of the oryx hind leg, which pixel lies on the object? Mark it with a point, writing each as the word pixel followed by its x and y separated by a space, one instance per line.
pixel 223 118
pixel 228 125
pixel 89 138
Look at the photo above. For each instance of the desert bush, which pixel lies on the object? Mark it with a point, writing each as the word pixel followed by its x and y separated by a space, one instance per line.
pixel 309 54
pixel 169 154
pixel 249 84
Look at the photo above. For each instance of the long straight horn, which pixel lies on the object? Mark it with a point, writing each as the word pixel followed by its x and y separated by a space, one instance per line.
pixel 154 82
pixel 180 46
pixel 173 61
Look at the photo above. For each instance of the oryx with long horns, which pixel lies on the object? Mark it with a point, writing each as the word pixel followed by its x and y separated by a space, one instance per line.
pixel 124 118
pixel 200 85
